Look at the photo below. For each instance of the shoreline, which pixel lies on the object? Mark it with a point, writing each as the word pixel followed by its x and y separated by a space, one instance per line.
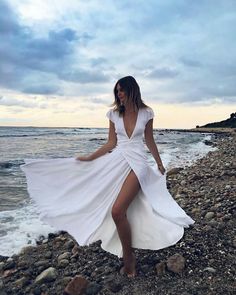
pixel 199 129
pixel 206 130
pixel 204 190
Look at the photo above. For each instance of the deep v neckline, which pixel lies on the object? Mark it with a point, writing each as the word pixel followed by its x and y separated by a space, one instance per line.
pixel 134 126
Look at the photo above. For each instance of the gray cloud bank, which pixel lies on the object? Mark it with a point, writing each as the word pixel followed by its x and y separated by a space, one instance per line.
pixel 33 64
pixel 184 51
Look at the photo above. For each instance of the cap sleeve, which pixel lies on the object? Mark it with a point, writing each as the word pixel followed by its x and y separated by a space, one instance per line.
pixel 150 114
pixel 110 115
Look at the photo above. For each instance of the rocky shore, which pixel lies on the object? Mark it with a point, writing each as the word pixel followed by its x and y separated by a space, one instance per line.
pixel 202 263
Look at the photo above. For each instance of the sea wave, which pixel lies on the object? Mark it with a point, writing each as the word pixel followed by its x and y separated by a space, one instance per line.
pixel 10 164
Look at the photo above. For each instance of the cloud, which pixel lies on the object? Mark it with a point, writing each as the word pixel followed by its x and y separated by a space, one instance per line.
pixel 25 57
pixel 13 102
pixel 84 76
pixel 8 21
pixel 41 89
pixel 98 61
pixel 97 100
pixel 57 45
pixel 162 73
pixel 183 51
pixel 189 62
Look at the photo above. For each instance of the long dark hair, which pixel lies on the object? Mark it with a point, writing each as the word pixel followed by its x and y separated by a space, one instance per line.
pixel 132 90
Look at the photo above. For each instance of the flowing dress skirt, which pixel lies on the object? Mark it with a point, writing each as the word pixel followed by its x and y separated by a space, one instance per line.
pixel 77 197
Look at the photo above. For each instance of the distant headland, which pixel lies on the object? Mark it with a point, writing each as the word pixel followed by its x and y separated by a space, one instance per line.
pixel 228 123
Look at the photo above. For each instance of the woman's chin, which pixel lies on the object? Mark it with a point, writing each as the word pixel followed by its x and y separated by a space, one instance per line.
pixel 123 101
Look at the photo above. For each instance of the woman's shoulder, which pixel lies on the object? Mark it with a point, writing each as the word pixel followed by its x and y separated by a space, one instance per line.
pixel 145 107
pixel 111 114
pixel 148 111
pixel 112 111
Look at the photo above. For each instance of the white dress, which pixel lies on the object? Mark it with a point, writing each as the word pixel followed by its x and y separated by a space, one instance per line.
pixel 77 196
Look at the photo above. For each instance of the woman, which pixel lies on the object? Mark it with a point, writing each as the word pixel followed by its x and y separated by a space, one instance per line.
pixel 83 195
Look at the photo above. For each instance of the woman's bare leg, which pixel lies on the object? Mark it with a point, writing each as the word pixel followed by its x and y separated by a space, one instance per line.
pixel 127 193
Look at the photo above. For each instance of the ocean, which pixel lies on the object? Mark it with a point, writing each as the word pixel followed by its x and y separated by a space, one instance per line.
pixel 19 220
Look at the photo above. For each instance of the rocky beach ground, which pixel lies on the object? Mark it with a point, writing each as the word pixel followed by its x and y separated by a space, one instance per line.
pixel 202 263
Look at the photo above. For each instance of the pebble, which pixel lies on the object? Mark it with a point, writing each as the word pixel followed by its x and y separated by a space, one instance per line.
pixel 210 269
pixel 174 171
pixel 47 275
pixel 69 244
pixel 21 282
pixel 209 215
pixel 1 266
pixel 27 249
pixel 77 286
pixel 234 242
pixel 63 263
pixel 176 263
pixel 65 255
pixel 10 263
pixel 161 268
pixel 196 210
pixel 41 263
pixel 1 284
pixel 48 254
pixel 113 286
pixel 93 289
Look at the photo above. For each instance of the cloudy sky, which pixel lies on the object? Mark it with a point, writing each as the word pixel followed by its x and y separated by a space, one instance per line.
pixel 59 60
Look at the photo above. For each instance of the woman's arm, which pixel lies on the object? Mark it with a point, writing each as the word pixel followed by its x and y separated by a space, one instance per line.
pixel 152 145
pixel 111 143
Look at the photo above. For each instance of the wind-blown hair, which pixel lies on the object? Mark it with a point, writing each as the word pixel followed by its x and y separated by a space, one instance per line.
pixel 132 90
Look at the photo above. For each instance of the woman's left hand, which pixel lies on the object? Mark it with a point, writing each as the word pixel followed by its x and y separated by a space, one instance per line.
pixel 161 168
pixel 83 158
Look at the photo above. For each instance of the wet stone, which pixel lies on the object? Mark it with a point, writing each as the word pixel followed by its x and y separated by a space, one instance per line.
pixel 209 215
pixel 161 268
pixel 77 286
pixel 176 263
pixel 47 275
pixel 93 289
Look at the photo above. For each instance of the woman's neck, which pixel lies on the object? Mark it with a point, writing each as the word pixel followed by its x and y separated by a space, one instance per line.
pixel 130 108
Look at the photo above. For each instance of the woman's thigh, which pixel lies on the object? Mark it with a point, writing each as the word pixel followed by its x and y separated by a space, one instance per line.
pixel 127 193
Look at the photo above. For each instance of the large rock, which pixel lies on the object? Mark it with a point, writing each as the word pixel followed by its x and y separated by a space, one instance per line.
pixel 47 275
pixel 65 255
pixel 69 244
pixel 176 263
pixel 174 171
pixel 27 250
pixel 9 264
pixel 77 286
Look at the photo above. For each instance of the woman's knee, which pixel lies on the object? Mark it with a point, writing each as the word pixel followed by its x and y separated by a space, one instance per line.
pixel 117 214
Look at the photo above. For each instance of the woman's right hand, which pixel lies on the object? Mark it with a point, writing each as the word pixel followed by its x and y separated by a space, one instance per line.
pixel 83 158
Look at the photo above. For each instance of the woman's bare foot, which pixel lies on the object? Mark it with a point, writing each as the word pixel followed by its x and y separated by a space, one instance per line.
pixel 129 267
